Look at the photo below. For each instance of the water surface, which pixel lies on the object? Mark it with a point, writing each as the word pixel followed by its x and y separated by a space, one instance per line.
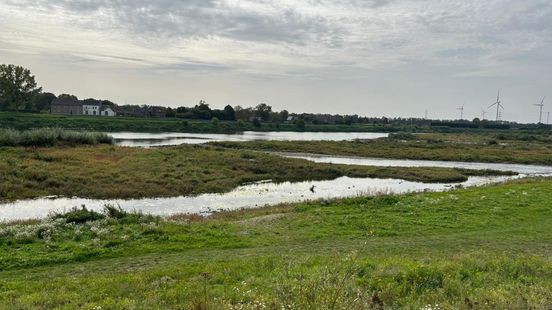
pixel 531 170
pixel 247 196
pixel 134 139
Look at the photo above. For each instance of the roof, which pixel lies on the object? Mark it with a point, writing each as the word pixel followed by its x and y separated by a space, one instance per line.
pixel 67 101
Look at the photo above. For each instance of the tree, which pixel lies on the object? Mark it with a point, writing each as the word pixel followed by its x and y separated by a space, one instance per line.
pixel 284 114
pixel 67 96
pixel 17 88
pixel 256 122
pixel 229 113
pixel 300 124
pixel 43 101
pixel 215 121
pixel 263 111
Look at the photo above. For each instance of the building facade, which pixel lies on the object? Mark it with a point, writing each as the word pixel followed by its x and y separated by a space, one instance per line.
pixel 88 109
pixel 69 106
pixel 66 106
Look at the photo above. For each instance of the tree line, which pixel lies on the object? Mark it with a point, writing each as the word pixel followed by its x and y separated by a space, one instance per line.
pixel 19 92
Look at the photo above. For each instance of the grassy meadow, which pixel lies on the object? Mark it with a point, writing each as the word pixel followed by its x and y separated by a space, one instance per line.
pixel 506 147
pixel 107 171
pixel 477 248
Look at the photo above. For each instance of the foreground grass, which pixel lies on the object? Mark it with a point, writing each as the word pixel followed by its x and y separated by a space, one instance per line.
pixel 483 248
pixel 470 147
pixel 116 172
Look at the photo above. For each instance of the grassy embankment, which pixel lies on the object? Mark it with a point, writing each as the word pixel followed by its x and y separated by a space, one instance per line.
pixel 23 121
pixel 117 172
pixel 477 248
pixel 474 147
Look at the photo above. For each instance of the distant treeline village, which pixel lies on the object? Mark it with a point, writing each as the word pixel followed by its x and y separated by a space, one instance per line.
pixel 20 92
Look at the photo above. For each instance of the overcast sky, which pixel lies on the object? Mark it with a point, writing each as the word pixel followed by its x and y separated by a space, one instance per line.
pixel 370 57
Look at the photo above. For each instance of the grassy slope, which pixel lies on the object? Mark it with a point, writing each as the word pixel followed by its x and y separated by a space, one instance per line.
pixel 485 247
pixel 473 148
pixel 29 120
pixel 116 172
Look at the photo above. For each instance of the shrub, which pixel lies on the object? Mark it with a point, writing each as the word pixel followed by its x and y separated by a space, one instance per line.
pixel 78 216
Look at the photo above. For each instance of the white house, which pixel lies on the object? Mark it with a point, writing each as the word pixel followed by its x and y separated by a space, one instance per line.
pixel 90 109
pixel 96 109
pixel 107 111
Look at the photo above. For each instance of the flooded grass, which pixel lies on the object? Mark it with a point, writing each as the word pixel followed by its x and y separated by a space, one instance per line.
pixel 478 248
pixel 435 146
pixel 106 172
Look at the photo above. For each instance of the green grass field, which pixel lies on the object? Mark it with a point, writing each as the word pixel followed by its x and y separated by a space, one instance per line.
pixel 107 171
pixel 477 248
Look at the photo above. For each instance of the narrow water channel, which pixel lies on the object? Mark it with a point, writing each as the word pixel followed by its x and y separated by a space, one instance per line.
pixel 247 196
pixel 134 139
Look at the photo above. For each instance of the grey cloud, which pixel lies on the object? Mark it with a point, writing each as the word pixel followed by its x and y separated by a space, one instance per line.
pixel 173 19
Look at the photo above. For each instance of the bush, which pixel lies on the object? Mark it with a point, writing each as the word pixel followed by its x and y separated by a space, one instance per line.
pixel 78 216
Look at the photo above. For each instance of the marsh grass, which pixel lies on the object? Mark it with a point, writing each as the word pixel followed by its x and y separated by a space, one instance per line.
pixel 105 171
pixel 50 137
pixel 472 147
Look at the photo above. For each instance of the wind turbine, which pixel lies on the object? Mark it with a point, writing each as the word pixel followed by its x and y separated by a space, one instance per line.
pixel 498 106
pixel 540 106
pixel 461 109
pixel 483 113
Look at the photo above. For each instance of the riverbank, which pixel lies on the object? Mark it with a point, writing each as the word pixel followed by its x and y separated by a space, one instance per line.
pixel 490 148
pixel 24 121
pixel 487 247
pixel 111 172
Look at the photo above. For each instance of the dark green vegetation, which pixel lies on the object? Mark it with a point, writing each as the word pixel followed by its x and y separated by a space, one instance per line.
pixel 117 172
pixel 482 248
pixel 18 88
pixel 506 147
pixel 23 121
pixel 51 137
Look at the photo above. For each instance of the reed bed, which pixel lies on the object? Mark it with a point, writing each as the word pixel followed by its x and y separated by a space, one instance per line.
pixel 51 137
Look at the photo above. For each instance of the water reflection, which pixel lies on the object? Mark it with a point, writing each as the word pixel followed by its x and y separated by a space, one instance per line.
pixel 133 139
pixel 534 170
pixel 247 196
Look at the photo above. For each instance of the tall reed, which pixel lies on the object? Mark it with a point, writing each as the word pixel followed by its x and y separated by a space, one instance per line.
pixel 51 137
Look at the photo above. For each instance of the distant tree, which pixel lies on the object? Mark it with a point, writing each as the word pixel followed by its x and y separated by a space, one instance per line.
pixel 202 110
pixel 348 120
pixel 263 111
pixel 108 103
pixel 67 96
pixel 215 121
pixel 170 112
pixel 256 122
pixel 43 101
pixel 17 88
pixel 284 114
pixel 229 113
pixel 300 124
pixel 243 113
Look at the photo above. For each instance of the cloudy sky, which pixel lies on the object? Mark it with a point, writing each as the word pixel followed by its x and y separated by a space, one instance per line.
pixel 371 57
